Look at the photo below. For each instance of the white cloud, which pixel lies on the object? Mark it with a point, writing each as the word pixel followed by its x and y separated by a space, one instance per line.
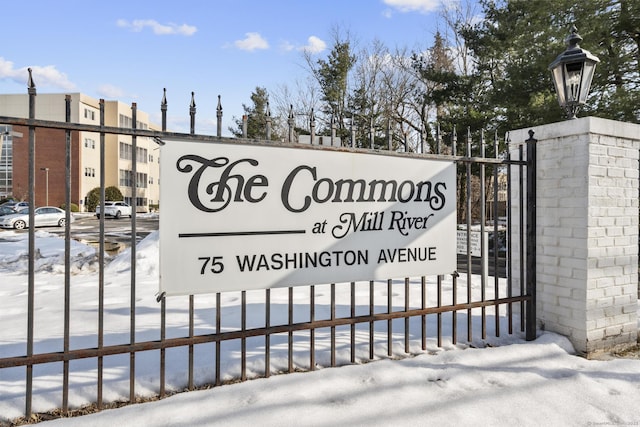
pixel 138 25
pixel 110 92
pixel 47 75
pixel 314 45
pixel 286 46
pixel 251 42
pixel 421 6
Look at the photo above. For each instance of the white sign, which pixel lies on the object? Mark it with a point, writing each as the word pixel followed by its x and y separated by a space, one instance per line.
pixel 249 216
pixel 476 244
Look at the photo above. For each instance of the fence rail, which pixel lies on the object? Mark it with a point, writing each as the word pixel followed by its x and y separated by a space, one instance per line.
pixel 413 307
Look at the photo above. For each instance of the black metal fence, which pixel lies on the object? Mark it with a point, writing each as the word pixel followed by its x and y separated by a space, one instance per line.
pixel 315 327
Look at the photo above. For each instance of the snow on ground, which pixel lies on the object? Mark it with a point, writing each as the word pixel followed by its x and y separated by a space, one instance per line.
pixel 512 382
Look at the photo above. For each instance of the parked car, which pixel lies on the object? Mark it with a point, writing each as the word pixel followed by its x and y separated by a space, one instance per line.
pixel 6 210
pixel 44 216
pixel 15 205
pixel 20 205
pixel 114 209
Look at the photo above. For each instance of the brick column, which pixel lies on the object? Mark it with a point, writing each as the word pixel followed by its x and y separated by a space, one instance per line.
pixel 587 231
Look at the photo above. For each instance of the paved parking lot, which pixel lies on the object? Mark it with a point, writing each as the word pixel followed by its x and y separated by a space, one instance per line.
pixel 117 232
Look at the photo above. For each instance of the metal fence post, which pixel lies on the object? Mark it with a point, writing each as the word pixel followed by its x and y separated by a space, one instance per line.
pixel 163 300
pixel 134 206
pixel 32 243
pixel 389 136
pixel 268 121
pixel 219 117
pixel 530 310
pixel 67 257
pixel 163 109
pixel 333 130
pixel 245 121
pixel 101 260
pixel 312 126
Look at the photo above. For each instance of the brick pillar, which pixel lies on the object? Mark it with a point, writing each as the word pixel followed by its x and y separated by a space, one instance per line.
pixel 587 231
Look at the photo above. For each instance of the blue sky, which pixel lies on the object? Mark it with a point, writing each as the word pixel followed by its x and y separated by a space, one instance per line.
pixel 131 50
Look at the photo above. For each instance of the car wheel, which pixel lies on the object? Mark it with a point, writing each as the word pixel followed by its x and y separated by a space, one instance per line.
pixel 61 222
pixel 118 214
pixel 98 216
pixel 19 225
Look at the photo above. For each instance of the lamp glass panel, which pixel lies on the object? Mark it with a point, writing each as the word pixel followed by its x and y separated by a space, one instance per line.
pixel 587 77
pixel 557 73
pixel 573 78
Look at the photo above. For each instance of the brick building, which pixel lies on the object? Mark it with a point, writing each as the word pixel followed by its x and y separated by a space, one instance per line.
pixel 85 152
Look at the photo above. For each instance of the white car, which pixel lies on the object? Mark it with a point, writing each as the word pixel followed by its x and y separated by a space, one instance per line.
pixel 44 216
pixel 15 205
pixel 114 209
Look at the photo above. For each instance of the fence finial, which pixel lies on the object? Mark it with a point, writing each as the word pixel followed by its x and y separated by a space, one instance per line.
pixel 163 109
pixel 219 116
pixel 30 83
pixel 291 122
pixel 192 112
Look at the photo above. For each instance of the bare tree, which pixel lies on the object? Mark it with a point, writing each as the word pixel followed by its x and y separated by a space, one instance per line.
pixel 298 99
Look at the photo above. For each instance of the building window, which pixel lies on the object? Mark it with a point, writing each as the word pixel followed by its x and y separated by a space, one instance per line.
pixel 141 180
pixel 126 151
pixel 89 143
pixel 90 172
pixel 89 114
pixel 140 201
pixel 125 122
pixel 150 180
pixel 126 178
pixel 150 158
pixel 141 155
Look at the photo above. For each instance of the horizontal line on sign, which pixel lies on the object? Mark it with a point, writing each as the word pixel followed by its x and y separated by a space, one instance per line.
pixel 241 233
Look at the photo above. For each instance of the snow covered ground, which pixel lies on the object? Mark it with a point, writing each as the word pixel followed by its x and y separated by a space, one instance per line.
pixel 512 382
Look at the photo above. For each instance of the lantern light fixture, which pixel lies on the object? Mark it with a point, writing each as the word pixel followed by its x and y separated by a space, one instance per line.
pixel 572 73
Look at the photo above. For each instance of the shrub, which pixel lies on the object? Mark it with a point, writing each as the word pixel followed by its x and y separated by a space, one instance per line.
pixel 110 193
pixel 73 208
